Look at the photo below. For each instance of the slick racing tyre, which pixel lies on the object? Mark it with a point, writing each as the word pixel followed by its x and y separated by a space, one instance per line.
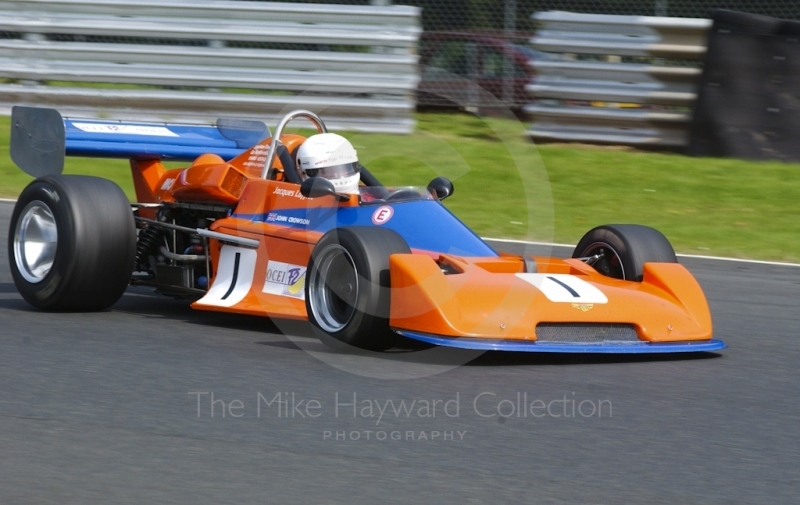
pixel 72 243
pixel 621 250
pixel 347 287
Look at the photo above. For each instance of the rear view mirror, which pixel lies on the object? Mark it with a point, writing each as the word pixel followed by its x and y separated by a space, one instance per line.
pixel 442 187
pixel 315 187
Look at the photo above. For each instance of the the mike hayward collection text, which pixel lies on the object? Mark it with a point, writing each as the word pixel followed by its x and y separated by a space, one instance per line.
pixel 486 404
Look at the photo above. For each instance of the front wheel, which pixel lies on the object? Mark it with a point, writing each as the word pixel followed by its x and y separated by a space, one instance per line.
pixel 348 289
pixel 72 243
pixel 621 250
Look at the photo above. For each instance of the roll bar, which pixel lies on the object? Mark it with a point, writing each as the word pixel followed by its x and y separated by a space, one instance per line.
pixel 273 147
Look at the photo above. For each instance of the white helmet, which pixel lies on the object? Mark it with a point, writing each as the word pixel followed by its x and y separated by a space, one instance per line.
pixel 330 156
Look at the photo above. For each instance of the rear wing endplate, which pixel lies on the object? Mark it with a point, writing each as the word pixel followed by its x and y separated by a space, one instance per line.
pixel 41 138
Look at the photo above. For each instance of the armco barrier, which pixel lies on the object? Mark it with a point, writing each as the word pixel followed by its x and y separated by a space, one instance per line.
pixel 194 61
pixel 591 95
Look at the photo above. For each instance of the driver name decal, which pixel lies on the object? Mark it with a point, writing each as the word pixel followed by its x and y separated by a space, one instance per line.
pixel 274 217
pixel 289 192
pixel 382 214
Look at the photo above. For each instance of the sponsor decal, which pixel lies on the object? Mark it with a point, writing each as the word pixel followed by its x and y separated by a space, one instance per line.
pixel 566 288
pixel 167 185
pixel 382 214
pixel 258 156
pixel 336 160
pixel 157 131
pixel 285 279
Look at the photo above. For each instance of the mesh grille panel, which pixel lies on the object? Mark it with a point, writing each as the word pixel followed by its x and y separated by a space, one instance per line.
pixel 585 333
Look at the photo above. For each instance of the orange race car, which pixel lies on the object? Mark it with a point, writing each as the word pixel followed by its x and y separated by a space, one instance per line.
pixel 284 226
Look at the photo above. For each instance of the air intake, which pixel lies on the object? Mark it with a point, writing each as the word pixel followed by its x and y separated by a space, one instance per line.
pixel 582 333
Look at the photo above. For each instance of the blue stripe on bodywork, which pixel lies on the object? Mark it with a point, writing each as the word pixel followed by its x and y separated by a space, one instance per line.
pixel 425 225
pixel 190 142
pixel 533 346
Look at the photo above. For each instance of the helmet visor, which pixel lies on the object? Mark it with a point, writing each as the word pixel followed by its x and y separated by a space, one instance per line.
pixel 334 171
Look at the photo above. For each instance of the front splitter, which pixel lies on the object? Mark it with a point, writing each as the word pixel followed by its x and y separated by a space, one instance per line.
pixel 607 347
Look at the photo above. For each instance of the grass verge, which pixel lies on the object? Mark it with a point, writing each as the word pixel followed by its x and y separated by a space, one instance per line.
pixel 507 187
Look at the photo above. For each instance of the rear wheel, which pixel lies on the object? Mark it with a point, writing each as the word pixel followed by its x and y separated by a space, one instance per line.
pixel 348 289
pixel 72 243
pixel 621 250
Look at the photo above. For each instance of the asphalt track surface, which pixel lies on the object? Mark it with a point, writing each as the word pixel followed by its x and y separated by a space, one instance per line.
pixel 96 408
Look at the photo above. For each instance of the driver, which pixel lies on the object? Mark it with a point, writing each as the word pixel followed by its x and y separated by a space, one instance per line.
pixel 330 156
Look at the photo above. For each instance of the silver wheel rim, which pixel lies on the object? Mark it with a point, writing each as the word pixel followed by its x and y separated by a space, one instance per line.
pixel 35 241
pixel 333 288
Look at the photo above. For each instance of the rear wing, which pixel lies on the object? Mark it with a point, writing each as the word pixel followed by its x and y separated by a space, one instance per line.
pixel 41 138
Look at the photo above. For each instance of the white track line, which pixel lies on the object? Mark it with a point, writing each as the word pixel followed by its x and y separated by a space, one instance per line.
pixel 697 256
pixel 551 244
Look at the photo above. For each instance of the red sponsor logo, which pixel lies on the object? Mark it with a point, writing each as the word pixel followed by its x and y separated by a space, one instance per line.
pixel 382 214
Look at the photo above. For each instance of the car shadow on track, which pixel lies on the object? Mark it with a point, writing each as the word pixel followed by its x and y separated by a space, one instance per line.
pixel 10 299
pixel 298 335
pixel 7 287
pixel 497 358
pixel 144 302
pixel 301 338
pixel 445 356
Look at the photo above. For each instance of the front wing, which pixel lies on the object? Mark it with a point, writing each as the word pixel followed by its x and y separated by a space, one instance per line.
pixel 566 306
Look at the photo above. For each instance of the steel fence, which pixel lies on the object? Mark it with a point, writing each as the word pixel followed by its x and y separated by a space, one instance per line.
pixel 191 61
pixel 469 49
pixel 590 95
pixel 483 26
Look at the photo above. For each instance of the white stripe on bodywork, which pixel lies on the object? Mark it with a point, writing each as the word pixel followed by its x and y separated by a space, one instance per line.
pixel 564 287
pixel 126 129
pixel 222 282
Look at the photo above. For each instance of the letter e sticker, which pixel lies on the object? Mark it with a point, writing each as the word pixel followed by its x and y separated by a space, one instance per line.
pixel 382 214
